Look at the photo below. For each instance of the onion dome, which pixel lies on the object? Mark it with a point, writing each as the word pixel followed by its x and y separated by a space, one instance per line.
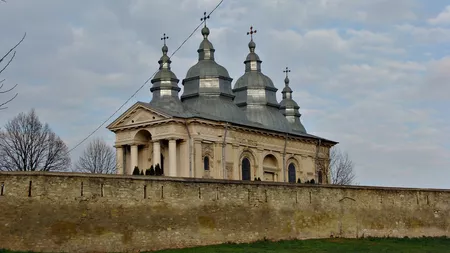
pixel 289 107
pixel 256 94
pixel 207 86
pixel 165 85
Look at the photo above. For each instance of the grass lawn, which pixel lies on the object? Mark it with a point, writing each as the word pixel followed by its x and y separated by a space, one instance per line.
pixel 368 245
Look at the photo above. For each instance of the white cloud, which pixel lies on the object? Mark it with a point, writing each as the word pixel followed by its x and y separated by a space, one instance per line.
pixel 426 34
pixel 442 18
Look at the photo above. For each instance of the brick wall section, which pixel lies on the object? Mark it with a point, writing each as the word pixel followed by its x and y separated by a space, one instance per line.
pixel 54 212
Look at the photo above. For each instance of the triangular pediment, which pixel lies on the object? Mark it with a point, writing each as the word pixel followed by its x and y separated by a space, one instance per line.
pixel 138 114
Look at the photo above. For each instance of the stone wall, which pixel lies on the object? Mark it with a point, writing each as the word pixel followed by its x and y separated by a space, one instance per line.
pixel 80 213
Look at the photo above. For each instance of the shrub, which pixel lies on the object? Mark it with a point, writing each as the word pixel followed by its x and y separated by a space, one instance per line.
pixel 158 170
pixel 152 171
pixel 312 181
pixel 142 173
pixel 136 171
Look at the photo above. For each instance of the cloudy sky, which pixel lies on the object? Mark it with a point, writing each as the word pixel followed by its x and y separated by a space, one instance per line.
pixel 372 75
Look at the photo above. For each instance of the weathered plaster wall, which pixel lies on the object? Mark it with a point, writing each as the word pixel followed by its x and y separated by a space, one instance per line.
pixel 74 212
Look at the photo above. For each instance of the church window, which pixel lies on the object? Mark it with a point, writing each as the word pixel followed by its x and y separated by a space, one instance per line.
pixel 291 173
pixel 206 163
pixel 246 169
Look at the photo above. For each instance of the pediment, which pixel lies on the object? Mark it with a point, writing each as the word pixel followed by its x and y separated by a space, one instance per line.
pixel 137 114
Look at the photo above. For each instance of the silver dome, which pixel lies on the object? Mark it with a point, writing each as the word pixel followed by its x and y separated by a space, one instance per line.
pixel 207 87
pixel 256 95
pixel 165 86
pixel 290 108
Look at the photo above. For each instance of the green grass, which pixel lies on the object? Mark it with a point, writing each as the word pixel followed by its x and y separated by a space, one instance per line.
pixel 369 245
pixel 336 245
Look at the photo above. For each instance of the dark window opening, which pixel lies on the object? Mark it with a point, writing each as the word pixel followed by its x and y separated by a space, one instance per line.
pixel 206 163
pixel 291 173
pixel 246 169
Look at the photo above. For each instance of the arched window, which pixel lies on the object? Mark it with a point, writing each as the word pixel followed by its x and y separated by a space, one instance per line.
pixel 206 163
pixel 320 177
pixel 291 173
pixel 246 169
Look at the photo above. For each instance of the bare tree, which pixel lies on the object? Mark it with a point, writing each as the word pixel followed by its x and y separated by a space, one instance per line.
pixel 28 145
pixel 8 57
pixel 98 157
pixel 341 168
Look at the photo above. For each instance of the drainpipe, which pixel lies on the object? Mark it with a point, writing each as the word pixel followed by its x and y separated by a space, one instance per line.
pixel 284 158
pixel 189 148
pixel 223 151
pixel 319 141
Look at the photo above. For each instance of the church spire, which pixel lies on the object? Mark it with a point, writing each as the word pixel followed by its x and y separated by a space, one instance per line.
pixel 289 107
pixel 287 91
pixel 252 62
pixel 256 94
pixel 165 84
pixel 206 49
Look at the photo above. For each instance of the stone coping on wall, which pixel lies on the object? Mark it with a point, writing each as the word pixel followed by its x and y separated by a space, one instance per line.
pixel 215 181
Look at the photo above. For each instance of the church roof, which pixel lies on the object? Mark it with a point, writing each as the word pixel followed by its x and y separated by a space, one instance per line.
pixel 289 107
pixel 208 94
pixel 256 94
pixel 189 114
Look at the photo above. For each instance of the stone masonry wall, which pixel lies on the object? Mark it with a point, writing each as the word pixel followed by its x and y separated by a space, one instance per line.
pixel 83 213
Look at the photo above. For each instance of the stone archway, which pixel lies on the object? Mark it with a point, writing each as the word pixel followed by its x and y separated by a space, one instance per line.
pixel 247 165
pixel 270 168
pixel 292 177
pixel 245 169
pixel 138 153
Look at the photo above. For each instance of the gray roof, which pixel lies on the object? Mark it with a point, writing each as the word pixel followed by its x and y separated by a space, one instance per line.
pixel 208 95
pixel 256 95
pixel 289 107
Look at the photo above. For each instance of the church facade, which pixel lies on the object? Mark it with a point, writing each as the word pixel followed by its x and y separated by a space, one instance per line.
pixel 214 130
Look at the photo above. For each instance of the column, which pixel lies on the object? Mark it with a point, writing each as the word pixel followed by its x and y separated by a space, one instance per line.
pixel 260 164
pixel 236 167
pixel 156 153
pixel 119 160
pixel 172 158
pixel 134 157
pixel 198 161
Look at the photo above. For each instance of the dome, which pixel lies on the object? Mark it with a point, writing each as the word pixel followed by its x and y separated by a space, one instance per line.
pixel 256 94
pixel 253 79
pixel 207 69
pixel 289 107
pixel 165 86
pixel 207 87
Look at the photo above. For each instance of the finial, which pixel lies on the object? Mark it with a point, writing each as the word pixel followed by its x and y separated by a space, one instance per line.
pixel 204 17
pixel 286 71
pixel 164 48
pixel 165 38
pixel 286 80
pixel 251 33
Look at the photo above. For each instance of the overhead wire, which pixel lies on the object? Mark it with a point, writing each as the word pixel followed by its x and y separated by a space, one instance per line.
pixel 142 86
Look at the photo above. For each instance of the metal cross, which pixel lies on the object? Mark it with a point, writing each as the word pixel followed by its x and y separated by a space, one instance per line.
pixel 251 32
pixel 165 38
pixel 286 71
pixel 204 17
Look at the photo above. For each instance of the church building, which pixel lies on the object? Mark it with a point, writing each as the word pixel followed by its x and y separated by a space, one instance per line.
pixel 219 130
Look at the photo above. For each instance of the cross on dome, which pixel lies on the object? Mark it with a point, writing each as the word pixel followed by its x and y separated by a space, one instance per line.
pixel 204 17
pixel 286 71
pixel 251 33
pixel 286 80
pixel 165 38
